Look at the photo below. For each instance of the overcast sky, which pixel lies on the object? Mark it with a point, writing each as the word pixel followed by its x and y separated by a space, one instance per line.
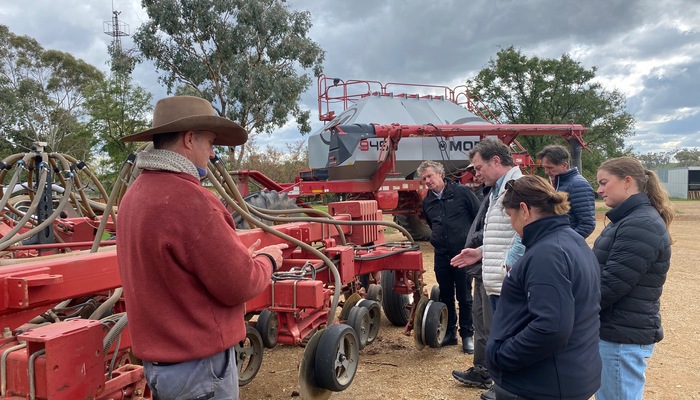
pixel 647 49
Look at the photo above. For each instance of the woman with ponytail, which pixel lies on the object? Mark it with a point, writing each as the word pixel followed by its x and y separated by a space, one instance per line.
pixel 544 336
pixel 634 253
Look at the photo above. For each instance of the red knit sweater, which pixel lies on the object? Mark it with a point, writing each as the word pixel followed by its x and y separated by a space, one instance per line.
pixel 185 273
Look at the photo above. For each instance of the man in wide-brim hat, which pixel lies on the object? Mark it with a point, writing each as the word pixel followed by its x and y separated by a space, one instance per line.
pixel 185 272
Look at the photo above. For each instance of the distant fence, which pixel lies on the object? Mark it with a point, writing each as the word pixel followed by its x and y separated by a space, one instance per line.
pixel 693 194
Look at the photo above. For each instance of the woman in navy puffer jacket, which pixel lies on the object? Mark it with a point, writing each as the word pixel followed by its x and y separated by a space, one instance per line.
pixel 544 336
pixel 634 253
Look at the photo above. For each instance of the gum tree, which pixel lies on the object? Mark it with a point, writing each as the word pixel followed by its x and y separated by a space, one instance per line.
pixel 246 56
pixel 42 94
pixel 116 107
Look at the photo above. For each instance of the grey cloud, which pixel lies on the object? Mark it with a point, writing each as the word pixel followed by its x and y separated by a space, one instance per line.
pixel 680 89
pixel 446 41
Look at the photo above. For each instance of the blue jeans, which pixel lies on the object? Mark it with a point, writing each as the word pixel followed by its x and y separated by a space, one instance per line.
pixel 623 377
pixel 211 378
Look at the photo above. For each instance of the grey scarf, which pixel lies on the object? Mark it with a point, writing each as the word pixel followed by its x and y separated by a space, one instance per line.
pixel 165 160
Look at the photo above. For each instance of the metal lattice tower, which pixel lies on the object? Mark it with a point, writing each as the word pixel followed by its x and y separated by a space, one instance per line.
pixel 116 29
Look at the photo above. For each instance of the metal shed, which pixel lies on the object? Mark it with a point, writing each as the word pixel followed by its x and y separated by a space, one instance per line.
pixel 681 182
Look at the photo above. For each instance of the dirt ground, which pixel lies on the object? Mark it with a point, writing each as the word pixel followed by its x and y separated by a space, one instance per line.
pixel 392 368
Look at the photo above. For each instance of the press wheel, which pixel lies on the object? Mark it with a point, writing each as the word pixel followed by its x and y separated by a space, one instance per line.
pixel 249 355
pixel 434 324
pixel 435 293
pixel 375 318
pixel 268 326
pixel 337 357
pixel 375 293
pixel 308 384
pixel 359 321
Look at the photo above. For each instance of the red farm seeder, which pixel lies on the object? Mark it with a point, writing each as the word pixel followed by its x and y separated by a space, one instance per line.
pixel 371 149
pixel 65 332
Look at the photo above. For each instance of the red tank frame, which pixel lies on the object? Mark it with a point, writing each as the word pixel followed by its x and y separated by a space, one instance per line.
pixel 402 196
pixel 389 192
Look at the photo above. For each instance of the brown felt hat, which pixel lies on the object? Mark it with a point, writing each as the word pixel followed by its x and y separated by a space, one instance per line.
pixel 187 113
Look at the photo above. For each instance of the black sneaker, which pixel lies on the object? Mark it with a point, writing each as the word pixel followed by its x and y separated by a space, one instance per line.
pixel 475 377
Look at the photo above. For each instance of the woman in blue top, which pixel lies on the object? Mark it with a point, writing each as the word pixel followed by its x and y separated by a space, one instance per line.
pixel 544 337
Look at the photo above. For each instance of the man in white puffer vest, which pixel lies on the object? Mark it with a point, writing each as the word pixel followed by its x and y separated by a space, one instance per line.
pixel 501 248
pixel 494 165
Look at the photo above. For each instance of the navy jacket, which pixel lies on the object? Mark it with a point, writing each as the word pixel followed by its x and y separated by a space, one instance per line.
pixel 634 252
pixel 544 336
pixel 450 217
pixel 581 198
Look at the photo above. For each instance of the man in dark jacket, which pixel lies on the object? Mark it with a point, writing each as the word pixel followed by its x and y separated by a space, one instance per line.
pixel 555 161
pixel 478 375
pixel 449 208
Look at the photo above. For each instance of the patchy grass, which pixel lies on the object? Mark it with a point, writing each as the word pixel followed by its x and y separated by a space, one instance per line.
pixel 600 207
pixel 321 207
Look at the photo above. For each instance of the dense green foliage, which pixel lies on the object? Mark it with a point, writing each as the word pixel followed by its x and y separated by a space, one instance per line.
pixel 246 57
pixel 522 90
pixel 50 96
pixel 116 108
pixel 42 94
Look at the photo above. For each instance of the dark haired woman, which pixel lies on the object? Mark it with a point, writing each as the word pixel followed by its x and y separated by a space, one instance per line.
pixel 544 336
pixel 634 252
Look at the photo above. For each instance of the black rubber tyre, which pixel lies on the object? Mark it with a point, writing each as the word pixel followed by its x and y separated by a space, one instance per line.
pixel 434 324
pixel 249 355
pixel 267 199
pixel 375 318
pixel 375 293
pixel 359 321
pixel 435 293
pixel 418 315
pixel 268 326
pixel 337 357
pixel 415 225
pixel 394 304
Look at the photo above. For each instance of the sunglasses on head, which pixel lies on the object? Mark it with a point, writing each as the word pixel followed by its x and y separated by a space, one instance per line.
pixel 510 185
